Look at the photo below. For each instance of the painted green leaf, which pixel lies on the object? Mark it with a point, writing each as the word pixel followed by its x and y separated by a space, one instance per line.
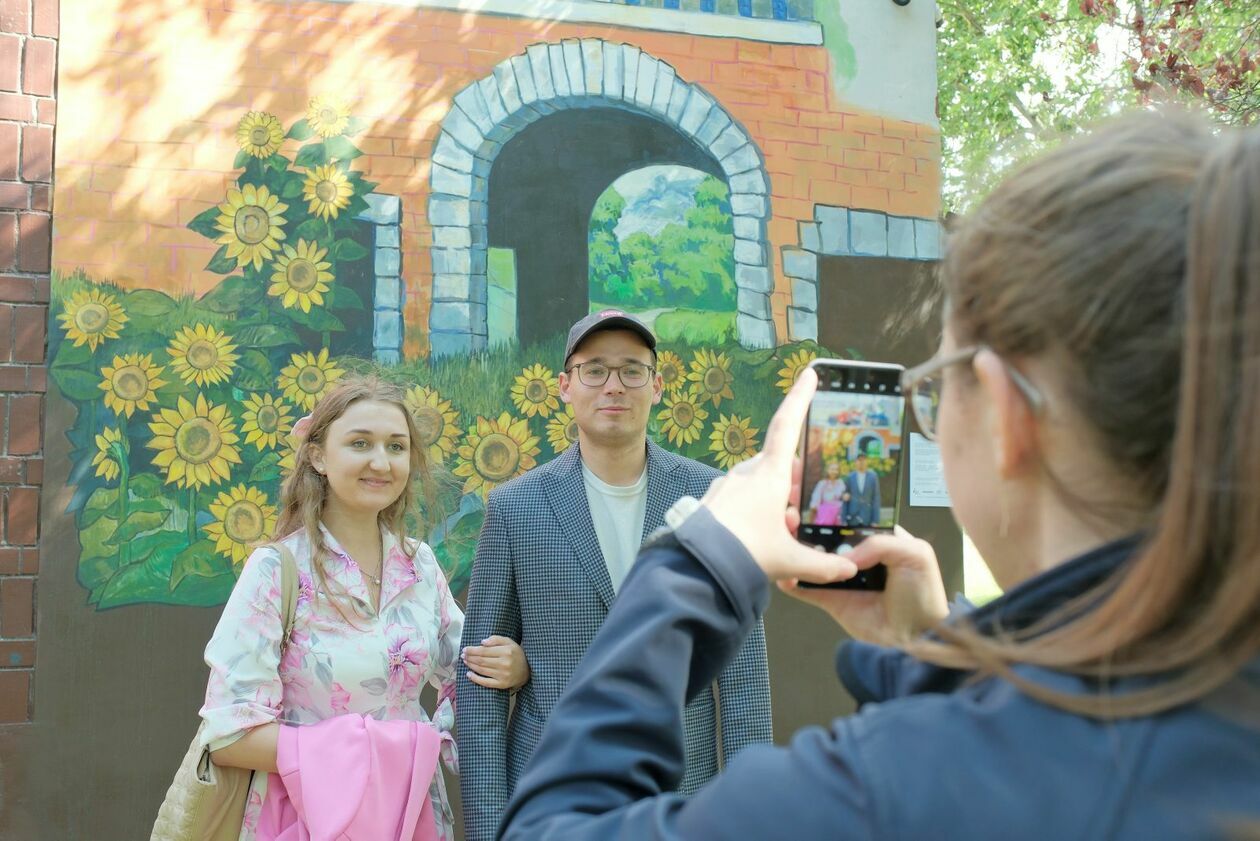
pixel 347 250
pixel 242 158
pixel 341 149
pixel 138 523
pixel 101 502
pixel 77 384
pixel 254 371
pixel 265 335
pixel 198 559
pixel 204 223
pixel 232 295
pixel 312 229
pixel 148 506
pixel 317 319
pixel 355 126
pixel 160 541
pixel 69 355
pixel 220 263
pixel 312 154
pixel 343 297
pixel 149 303
pixel 292 186
pixel 278 162
pixel 266 470
pixel 301 130
pixel 146 486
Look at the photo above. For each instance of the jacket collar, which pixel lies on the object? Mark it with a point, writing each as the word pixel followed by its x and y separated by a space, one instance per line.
pixel 398 572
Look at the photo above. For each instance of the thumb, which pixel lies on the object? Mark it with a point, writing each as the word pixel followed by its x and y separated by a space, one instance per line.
pixel 816 566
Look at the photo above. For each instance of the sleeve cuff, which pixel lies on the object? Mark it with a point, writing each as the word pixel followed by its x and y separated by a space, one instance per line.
pixel 726 559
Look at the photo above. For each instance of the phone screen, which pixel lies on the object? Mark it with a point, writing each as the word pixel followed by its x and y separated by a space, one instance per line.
pixel 851 454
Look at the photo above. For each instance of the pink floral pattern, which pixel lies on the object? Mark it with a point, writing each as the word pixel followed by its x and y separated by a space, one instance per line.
pixel 376 664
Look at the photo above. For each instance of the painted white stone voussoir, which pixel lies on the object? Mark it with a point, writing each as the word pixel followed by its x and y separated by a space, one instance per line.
pixel 593 65
pixel 678 100
pixel 472 103
pixel 699 105
pixel 630 57
pixel 728 141
pixel 614 80
pixel 664 88
pixel 645 85
pixel 572 50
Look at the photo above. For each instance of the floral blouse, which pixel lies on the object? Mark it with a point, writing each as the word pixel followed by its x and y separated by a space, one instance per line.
pixel 376 666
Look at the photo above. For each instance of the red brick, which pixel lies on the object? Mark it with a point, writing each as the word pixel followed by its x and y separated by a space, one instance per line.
pixel 22 290
pixel 37 378
pixel 891 145
pixel 35 471
pixel 873 198
pixel 9 560
pixel 24 425
pixel 28 333
pixel 890 180
pixel 37 153
pixel 9 150
pixel 15 106
pixel 15 696
pixel 861 160
pixel 863 124
pixel 8 240
pixel 17 607
pixel 41 197
pixel 14 195
pixel 717 49
pixel 836 195
pixel 34 242
pixel 16 655
pixel 11 471
pixel 12 378
pixel 46 21
pixel 46 111
pixel 10 62
pixel 921 149
pixel 15 16
pixel 6 332
pixel 39 66
pixel 30 561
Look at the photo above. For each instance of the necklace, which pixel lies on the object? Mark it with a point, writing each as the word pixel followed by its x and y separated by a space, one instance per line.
pixel 375 579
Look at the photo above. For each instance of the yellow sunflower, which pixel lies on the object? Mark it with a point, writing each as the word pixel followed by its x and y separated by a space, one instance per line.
pixel 110 448
pixel 288 461
pixel 733 439
pixel 308 378
pixel 201 354
pixel 673 373
pixel 259 134
pixel 242 518
pixel 437 422
pixel 711 372
pixel 562 430
pixel 251 224
pixel 792 367
pixel 194 443
pixel 301 277
pixel 130 383
pixel 494 452
pixel 328 191
pixel 265 421
pixel 92 316
pixel 683 416
pixel 536 391
pixel 328 116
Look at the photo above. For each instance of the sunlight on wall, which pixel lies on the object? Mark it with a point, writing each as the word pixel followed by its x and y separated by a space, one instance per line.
pixel 978 583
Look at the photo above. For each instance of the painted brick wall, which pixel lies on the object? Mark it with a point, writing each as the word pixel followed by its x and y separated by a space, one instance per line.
pixel 126 190
pixel 28 108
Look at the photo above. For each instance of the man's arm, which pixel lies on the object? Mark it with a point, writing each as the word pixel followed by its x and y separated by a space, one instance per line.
pixel 481 714
pixel 744 697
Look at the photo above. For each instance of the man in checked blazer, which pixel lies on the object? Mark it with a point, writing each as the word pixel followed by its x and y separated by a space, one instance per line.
pixel 556 544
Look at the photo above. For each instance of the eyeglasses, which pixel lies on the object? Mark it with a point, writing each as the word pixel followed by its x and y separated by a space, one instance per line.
pixel 924 384
pixel 595 374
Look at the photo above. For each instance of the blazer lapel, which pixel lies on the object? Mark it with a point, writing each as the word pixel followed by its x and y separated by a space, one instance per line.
pixel 666 485
pixel 566 492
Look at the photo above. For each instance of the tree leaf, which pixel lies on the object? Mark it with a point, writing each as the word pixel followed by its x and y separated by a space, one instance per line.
pixel 301 130
pixel 341 149
pixel 149 303
pixel 199 559
pixel 232 295
pixel 77 384
pixel 310 155
pixel 347 250
pixel 138 522
pixel 220 263
pixel 265 335
pixel 204 223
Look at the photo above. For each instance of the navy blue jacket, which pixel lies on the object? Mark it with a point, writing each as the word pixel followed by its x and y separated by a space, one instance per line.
pixel 930 755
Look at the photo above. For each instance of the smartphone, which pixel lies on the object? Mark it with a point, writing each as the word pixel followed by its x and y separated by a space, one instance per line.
pixel 851 452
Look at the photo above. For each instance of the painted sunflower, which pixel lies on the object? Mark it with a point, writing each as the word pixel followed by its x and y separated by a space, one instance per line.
pixel 562 430
pixel 301 276
pixel 195 443
pixel 683 416
pixel 328 190
pixel 259 134
pixel 328 116
pixel 92 316
pixel 110 450
pixel 130 382
pixel 265 421
pixel 436 421
pixel 733 439
pixel 202 355
pixel 536 391
pixel 792 367
pixel 242 518
pixel 711 373
pixel 308 378
pixel 673 373
pixel 494 452
pixel 251 223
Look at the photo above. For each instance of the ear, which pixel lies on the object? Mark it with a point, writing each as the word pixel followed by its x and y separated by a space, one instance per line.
pixel 317 460
pixel 1012 425
pixel 565 383
pixel 658 389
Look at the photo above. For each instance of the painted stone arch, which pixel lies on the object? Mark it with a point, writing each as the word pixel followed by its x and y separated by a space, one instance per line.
pixel 552 77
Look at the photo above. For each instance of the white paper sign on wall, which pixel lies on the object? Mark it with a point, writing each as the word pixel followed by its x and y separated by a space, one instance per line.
pixel 927 478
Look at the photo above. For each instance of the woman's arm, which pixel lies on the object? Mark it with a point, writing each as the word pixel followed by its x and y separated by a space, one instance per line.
pixel 255 750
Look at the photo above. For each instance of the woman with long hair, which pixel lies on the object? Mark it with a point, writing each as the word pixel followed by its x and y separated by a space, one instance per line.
pixel 1096 398
pixel 375 621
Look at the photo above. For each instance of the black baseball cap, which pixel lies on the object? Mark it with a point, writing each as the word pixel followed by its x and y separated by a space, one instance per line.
pixel 607 320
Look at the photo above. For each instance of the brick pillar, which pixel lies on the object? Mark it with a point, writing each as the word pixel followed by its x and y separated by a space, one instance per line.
pixel 28 107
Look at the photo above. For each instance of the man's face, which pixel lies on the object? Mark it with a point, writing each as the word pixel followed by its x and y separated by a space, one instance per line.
pixel 610 413
pixel 861 464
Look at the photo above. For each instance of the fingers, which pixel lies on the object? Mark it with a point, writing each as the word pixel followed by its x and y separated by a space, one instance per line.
pixel 817 566
pixel 785 426
pixel 488 683
pixel 496 640
pixel 894 551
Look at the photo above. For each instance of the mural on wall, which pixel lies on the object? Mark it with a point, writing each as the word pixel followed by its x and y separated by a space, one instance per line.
pixel 320 259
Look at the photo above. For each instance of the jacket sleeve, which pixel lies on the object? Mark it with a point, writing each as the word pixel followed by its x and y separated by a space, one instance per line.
pixel 481 714
pixel 744 697
pixel 608 755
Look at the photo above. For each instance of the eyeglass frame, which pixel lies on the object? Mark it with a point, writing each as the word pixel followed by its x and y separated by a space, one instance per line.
pixel 578 367
pixel 911 378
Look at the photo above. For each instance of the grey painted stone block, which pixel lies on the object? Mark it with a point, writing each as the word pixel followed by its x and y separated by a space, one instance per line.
pixel 630 64
pixel 833 225
pixel 388 261
pixel 509 90
pixel 749 182
pixel 454 316
pixel 489 88
pixel 573 66
pixel 698 107
pixel 540 64
pixel 450 154
pixel 665 76
pixel 452 261
pixel 805 294
pixel 763 9
pixel 387 235
pixel 449 237
pixel 388 293
pixel 678 100
pixel 741 160
pixel 728 141
pixel 524 74
pixel 645 86
pixel 449 211
pixel 756 304
pixel 800 9
pixel 811 238
pixel 384 356
pixel 450 344
pixel 745 204
pixel 559 72
pixel 754 332
pixel 613 71
pixel 714 124
pixel 727 7
pixel 749 252
pixel 464 131
pixel 802 325
pixel 797 263
pixel 593 65
pixel 382 209
pixel 472 103
pixel 450 182
pixel 747 227
pixel 387 329
pixel 460 287
pixel 691 5
pixel 478 212
pixel 927 239
pixel 901 237
pixel 756 278
pixel 868 233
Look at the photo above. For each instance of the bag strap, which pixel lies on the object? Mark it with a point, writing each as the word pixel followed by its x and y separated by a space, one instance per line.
pixel 288 593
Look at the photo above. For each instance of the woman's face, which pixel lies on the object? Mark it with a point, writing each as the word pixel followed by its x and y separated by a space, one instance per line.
pixel 365 457
pixel 833 471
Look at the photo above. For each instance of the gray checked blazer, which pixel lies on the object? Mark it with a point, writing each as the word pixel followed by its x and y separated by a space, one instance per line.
pixel 539 577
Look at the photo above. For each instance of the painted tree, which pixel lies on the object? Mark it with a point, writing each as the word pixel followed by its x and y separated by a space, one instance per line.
pixel 1016 74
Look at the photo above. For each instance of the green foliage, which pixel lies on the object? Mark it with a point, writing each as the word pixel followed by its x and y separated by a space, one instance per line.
pixel 699 327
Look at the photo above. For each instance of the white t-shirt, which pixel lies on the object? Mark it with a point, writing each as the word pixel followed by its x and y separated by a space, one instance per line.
pixel 618 513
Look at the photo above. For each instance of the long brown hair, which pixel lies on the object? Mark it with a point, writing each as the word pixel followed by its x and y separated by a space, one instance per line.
pixel 305 491
pixel 1132 257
